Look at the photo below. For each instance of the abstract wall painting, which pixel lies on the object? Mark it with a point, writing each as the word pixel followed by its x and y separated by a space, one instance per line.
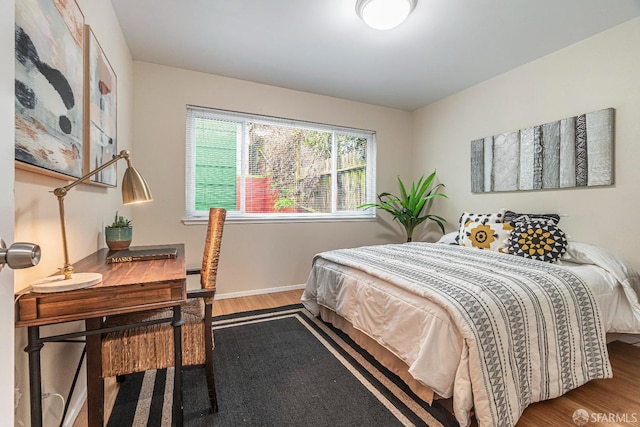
pixel 49 82
pixel 572 152
pixel 101 122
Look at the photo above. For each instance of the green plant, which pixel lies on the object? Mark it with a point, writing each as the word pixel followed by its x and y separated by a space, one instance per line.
pixel 411 209
pixel 120 222
pixel 284 203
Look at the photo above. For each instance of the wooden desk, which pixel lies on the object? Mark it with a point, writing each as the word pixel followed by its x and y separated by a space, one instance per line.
pixel 126 287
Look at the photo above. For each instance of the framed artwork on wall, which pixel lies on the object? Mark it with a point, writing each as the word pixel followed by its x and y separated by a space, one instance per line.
pixel 49 79
pixel 101 115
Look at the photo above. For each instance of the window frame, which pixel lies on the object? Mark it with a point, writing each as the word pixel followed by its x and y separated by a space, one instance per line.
pixel 193 216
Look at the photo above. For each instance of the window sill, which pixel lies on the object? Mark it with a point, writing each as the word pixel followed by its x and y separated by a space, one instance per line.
pixel 281 219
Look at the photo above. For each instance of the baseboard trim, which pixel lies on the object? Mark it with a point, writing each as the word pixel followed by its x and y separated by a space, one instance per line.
pixel 259 291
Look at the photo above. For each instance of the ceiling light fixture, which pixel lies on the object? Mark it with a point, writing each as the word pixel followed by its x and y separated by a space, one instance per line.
pixel 384 14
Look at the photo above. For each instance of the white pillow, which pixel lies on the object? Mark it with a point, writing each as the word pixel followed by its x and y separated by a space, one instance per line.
pixel 627 276
pixel 585 253
pixel 449 238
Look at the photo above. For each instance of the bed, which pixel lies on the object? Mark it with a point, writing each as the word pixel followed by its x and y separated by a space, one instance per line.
pixel 494 331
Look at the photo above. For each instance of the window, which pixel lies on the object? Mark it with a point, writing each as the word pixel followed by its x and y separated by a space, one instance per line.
pixel 266 168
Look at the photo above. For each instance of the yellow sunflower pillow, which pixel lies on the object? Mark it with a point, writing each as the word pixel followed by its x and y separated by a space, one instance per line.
pixel 468 217
pixel 493 236
pixel 541 240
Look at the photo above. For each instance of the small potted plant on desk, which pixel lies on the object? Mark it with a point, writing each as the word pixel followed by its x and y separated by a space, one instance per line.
pixel 119 234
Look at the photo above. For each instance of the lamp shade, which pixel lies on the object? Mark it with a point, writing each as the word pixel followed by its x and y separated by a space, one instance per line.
pixel 384 14
pixel 134 187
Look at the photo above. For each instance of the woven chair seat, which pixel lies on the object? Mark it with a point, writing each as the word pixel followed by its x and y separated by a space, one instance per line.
pixel 192 310
pixel 151 347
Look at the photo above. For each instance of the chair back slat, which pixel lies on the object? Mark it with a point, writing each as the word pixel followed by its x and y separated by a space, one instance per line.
pixel 211 255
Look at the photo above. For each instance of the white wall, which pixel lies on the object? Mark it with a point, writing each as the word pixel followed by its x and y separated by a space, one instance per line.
pixel 7 85
pixel 87 209
pixel 599 72
pixel 253 256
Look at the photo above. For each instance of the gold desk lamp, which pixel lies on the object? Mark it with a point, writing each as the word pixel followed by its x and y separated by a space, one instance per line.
pixel 134 190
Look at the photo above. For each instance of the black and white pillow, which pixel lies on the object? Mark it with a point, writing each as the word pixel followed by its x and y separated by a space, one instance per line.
pixel 540 240
pixel 513 217
pixel 467 218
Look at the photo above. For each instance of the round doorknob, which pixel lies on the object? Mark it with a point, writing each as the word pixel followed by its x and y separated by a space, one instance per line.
pixel 19 255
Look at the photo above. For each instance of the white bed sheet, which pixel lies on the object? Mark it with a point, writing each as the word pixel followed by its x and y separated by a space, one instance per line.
pixel 404 323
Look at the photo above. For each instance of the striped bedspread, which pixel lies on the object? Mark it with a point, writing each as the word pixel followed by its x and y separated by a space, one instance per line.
pixel 532 329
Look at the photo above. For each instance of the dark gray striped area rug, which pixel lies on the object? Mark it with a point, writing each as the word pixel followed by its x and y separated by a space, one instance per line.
pixel 280 367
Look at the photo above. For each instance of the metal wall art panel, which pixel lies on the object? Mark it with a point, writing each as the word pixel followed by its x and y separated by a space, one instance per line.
pixel 572 152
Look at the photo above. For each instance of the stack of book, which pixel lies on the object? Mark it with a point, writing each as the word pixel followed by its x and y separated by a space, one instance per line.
pixel 133 254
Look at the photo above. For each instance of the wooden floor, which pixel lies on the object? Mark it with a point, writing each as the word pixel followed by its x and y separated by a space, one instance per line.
pixel 605 400
pixel 618 397
pixel 237 305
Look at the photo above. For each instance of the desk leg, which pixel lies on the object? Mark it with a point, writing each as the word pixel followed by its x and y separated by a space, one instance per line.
pixel 95 382
pixel 178 404
pixel 35 377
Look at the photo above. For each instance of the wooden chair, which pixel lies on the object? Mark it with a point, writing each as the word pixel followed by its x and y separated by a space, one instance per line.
pixel 151 347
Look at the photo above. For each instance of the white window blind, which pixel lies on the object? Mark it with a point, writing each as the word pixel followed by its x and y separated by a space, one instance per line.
pixel 268 168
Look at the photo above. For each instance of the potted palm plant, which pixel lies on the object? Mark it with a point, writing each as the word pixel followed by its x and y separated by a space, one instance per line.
pixel 119 234
pixel 411 208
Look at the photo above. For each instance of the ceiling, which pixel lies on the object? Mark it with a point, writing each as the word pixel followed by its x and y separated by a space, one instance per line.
pixel 321 46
